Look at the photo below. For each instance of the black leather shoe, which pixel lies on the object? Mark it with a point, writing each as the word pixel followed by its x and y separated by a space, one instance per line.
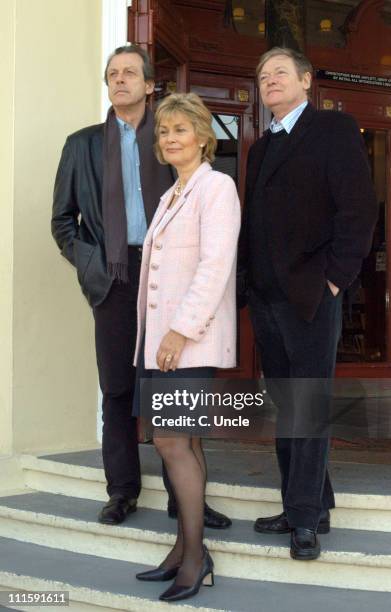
pixel 279 524
pixel 206 577
pixel 304 544
pixel 215 520
pixel 158 575
pixel 117 509
pixel 212 518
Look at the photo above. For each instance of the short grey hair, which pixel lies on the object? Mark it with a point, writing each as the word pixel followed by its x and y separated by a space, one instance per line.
pixel 148 71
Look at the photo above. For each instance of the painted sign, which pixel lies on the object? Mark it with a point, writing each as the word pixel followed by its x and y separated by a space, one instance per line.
pixel 349 77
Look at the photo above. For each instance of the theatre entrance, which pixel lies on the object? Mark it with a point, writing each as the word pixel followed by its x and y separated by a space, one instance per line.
pixel 193 51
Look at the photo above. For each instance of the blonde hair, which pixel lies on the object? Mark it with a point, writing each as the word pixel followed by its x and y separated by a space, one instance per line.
pixel 190 105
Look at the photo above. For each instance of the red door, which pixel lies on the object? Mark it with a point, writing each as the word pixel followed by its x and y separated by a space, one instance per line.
pixel 365 346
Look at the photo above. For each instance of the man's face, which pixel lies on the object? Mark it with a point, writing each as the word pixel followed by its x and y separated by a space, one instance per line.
pixel 281 87
pixel 127 87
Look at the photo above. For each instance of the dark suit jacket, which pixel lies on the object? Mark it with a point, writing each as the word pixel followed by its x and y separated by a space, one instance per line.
pixel 320 208
pixel 77 219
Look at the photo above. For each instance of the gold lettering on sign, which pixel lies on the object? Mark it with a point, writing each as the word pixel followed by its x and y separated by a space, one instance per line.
pixel 388 112
pixel 243 95
pixel 328 104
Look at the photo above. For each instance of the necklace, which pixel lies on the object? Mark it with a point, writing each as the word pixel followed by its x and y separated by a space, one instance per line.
pixel 179 188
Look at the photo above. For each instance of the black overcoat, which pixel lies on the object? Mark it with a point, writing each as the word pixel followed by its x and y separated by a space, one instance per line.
pixel 319 207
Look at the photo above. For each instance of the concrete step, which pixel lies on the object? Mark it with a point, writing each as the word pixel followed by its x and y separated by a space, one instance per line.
pixel 242 483
pixel 350 558
pixel 100 584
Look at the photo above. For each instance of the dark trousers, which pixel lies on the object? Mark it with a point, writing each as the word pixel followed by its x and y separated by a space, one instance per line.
pixel 115 338
pixel 291 348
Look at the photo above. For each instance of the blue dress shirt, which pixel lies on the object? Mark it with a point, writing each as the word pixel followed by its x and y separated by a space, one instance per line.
pixel 134 205
pixel 287 123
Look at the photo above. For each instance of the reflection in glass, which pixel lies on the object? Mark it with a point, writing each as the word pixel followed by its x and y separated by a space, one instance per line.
pixel 325 19
pixel 247 17
pixel 226 128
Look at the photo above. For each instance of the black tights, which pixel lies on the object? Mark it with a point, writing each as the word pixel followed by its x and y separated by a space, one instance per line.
pixel 185 464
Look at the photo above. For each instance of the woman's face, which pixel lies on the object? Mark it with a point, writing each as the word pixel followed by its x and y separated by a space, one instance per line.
pixel 179 144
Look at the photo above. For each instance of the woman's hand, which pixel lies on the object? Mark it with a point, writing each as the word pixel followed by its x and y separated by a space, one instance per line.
pixel 170 350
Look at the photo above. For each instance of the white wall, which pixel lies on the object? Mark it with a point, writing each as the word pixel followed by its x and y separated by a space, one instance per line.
pixel 48 363
pixel 52 54
pixel 7 47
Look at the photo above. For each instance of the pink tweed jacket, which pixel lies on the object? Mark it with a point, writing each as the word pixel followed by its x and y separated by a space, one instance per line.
pixel 188 273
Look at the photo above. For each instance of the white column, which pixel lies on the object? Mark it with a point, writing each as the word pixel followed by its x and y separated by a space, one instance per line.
pixel 114 34
pixel 47 370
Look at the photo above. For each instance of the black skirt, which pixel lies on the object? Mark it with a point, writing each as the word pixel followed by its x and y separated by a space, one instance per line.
pixel 201 372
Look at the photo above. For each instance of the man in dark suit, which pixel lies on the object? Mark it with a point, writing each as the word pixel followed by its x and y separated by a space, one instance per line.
pixel 309 216
pixel 107 189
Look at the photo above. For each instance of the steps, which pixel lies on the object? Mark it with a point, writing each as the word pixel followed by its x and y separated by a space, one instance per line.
pixel 55 519
pixel 350 558
pixel 243 484
pixel 102 584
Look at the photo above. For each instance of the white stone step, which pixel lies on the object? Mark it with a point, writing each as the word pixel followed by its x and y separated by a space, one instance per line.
pixel 350 558
pixel 242 484
pixel 105 585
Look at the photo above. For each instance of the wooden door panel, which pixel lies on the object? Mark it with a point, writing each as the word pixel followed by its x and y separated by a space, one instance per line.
pixel 365 106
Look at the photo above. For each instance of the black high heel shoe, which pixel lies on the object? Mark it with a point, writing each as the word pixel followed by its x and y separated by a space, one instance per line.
pixel 158 574
pixel 206 577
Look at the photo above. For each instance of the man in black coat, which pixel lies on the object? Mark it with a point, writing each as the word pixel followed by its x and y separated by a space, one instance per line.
pixel 309 215
pixel 107 188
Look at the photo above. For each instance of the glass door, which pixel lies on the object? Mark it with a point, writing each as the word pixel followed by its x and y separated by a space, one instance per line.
pixel 364 331
pixel 365 347
pixel 226 128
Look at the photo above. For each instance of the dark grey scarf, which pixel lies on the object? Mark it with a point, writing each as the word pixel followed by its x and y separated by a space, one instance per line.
pixel 155 180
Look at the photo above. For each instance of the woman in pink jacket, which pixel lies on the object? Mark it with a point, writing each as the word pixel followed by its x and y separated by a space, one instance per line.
pixel 187 311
